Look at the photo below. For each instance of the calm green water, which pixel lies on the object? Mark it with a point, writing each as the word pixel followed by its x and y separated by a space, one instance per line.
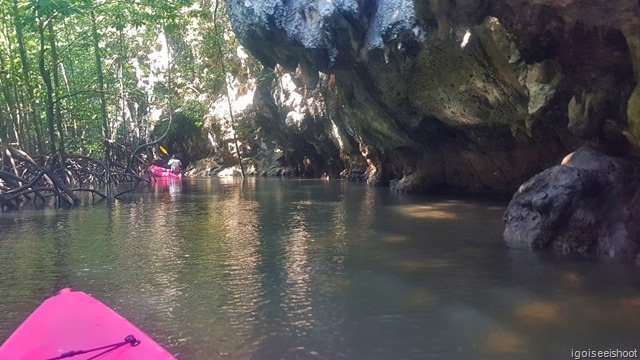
pixel 306 269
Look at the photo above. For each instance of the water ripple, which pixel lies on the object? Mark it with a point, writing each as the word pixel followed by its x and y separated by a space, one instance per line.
pixel 305 269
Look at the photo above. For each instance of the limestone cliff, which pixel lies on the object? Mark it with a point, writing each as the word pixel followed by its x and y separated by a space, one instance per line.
pixel 471 95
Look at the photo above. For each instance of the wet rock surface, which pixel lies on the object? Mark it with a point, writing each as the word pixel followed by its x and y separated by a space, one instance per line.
pixel 588 204
pixel 469 96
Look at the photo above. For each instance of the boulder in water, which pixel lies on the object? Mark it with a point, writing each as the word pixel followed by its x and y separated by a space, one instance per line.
pixel 590 203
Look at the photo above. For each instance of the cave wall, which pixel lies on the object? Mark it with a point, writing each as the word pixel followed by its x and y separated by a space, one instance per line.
pixel 290 130
pixel 465 95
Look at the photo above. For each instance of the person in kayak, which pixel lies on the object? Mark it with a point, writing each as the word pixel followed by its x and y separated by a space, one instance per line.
pixel 174 164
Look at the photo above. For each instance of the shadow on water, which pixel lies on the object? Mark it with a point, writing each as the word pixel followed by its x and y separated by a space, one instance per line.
pixel 298 269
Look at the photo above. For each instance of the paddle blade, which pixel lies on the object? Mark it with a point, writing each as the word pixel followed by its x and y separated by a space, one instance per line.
pixel 164 151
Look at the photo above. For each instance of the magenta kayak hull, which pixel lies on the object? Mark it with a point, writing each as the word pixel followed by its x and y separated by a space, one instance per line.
pixel 158 171
pixel 73 321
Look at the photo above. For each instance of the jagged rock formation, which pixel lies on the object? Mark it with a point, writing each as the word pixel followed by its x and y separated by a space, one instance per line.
pixel 589 203
pixel 472 95
pixel 291 128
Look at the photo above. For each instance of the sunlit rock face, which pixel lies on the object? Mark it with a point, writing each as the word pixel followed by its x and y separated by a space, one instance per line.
pixel 589 203
pixel 294 134
pixel 468 95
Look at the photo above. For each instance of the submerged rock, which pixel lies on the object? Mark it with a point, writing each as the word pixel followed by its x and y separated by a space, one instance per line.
pixel 588 204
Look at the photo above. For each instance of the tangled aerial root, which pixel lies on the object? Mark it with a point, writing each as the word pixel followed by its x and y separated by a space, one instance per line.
pixel 57 179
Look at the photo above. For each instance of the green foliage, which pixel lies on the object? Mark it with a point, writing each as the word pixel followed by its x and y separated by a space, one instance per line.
pixel 128 40
pixel 195 110
pixel 186 137
pixel 267 76
pixel 51 8
pixel 187 122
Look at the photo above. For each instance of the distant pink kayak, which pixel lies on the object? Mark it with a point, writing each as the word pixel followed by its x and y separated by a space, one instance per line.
pixel 158 171
pixel 73 325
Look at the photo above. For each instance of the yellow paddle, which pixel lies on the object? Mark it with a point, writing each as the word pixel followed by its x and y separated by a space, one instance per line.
pixel 164 151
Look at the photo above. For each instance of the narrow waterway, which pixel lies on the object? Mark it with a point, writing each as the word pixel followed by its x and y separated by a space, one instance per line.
pixel 307 269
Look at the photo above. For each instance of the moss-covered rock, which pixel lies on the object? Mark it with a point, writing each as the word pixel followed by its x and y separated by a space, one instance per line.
pixel 466 95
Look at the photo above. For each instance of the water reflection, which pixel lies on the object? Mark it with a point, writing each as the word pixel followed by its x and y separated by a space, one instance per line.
pixel 447 211
pixel 298 269
pixel 506 343
pixel 168 188
pixel 539 314
pixel 297 301
pixel 240 240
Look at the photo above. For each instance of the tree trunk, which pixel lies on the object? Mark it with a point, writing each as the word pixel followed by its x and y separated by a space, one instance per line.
pixel 6 82
pixel 74 101
pixel 123 97
pixel 56 84
pixel 106 133
pixel 23 131
pixel 46 78
pixel 35 118
pixel 226 86
pixel 3 128
pixel 12 112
